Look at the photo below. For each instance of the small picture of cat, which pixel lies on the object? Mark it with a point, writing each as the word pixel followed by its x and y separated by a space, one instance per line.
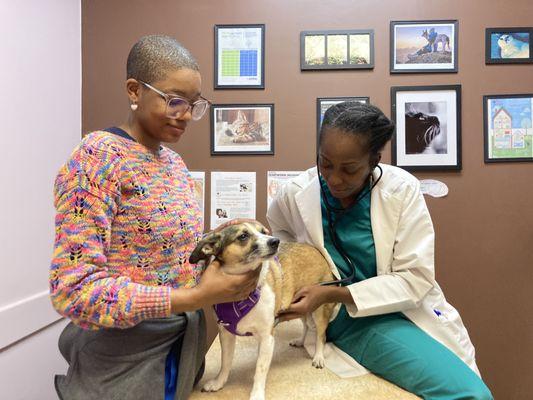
pixel 425 127
pixel 513 46
pixel 508 45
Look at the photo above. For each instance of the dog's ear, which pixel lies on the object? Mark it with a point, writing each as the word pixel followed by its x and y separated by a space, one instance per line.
pixel 207 247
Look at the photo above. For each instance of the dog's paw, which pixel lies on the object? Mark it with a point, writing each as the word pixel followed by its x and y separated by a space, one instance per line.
pixel 318 362
pixel 296 343
pixel 213 385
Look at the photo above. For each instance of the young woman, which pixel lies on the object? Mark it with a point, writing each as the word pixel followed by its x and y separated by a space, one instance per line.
pixel 371 223
pixel 126 223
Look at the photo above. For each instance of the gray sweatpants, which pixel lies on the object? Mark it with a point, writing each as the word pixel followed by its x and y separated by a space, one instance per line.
pixel 130 363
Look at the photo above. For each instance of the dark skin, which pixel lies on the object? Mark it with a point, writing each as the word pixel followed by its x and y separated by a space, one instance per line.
pixel 150 126
pixel 346 163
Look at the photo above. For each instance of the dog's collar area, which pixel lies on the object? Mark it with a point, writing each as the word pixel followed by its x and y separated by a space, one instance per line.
pixel 230 314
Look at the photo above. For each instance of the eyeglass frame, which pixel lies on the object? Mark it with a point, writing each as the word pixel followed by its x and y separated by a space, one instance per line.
pixel 169 98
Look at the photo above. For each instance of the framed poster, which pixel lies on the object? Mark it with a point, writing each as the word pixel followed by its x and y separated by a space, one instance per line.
pixel 423 46
pixel 346 49
pixel 323 103
pixel 508 45
pixel 240 56
pixel 507 127
pixel 242 129
pixel 428 127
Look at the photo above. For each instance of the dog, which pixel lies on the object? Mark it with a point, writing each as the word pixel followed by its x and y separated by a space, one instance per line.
pixel 285 268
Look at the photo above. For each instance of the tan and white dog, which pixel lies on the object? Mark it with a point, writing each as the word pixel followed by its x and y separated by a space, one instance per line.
pixel 286 268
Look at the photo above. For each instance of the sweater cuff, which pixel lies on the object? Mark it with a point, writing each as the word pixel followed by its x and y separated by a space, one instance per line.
pixel 151 302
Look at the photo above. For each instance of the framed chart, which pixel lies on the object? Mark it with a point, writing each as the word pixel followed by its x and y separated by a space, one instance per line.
pixel 240 56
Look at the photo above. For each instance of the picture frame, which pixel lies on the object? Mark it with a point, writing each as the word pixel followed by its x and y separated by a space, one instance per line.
pixel 428 127
pixel 242 129
pixel 509 45
pixel 239 56
pixel 429 46
pixel 323 103
pixel 507 128
pixel 337 49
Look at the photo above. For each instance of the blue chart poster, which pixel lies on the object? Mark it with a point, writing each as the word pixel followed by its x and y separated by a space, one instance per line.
pixel 239 56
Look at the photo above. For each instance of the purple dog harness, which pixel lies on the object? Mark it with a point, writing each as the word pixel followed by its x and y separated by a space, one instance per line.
pixel 229 314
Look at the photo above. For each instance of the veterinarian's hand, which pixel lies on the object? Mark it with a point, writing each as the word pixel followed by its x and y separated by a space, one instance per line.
pixel 305 301
pixel 218 287
pixel 237 221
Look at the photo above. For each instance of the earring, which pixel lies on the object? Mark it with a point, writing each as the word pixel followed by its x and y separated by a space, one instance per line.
pixel 133 107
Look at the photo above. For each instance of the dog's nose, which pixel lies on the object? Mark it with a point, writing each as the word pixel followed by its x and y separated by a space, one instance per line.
pixel 273 243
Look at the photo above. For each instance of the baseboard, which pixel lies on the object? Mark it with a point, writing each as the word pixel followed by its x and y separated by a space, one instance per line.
pixel 21 318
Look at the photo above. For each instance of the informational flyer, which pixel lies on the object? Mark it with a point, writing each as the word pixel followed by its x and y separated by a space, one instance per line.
pixel 233 195
pixel 199 189
pixel 275 180
pixel 432 187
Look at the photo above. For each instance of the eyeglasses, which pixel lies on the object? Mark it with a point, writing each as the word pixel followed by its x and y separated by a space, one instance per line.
pixel 178 106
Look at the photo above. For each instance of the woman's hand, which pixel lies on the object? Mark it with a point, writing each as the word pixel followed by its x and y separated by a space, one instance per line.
pixel 305 301
pixel 215 287
pixel 218 287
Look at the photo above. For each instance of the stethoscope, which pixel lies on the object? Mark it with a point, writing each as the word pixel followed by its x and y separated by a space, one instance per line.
pixel 332 224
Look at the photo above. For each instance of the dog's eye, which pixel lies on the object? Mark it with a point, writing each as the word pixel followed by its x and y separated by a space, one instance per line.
pixel 243 237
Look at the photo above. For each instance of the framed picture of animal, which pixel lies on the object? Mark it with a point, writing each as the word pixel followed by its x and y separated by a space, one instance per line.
pixel 428 127
pixel 323 103
pixel 507 127
pixel 423 46
pixel 508 45
pixel 242 129
pixel 337 49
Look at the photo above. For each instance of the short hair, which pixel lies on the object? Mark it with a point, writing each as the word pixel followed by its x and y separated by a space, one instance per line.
pixel 356 118
pixel 153 56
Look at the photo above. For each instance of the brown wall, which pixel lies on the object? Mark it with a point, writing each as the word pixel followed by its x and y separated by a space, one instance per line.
pixel 484 245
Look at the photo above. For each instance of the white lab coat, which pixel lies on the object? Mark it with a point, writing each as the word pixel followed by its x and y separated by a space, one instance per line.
pixel 404 242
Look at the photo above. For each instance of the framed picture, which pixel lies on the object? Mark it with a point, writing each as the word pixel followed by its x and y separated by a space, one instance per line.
pixel 428 127
pixel 423 46
pixel 240 56
pixel 323 103
pixel 242 129
pixel 347 49
pixel 508 45
pixel 507 127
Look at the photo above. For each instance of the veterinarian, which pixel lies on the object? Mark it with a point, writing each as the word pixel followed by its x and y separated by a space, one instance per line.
pixel 126 222
pixel 393 319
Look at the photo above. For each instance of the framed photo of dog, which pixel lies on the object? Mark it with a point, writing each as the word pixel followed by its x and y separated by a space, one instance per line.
pixel 423 46
pixel 508 45
pixel 507 127
pixel 238 129
pixel 323 103
pixel 428 127
pixel 345 49
pixel 240 56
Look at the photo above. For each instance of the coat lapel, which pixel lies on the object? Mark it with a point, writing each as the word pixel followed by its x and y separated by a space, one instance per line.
pixel 384 214
pixel 308 203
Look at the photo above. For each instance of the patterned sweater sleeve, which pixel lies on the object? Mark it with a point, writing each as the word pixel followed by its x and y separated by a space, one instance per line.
pixel 86 192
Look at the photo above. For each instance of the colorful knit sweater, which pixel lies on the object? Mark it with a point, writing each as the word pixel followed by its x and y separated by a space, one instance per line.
pixel 126 223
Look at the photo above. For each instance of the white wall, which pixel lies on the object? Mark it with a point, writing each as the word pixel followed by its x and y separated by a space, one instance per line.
pixel 40 108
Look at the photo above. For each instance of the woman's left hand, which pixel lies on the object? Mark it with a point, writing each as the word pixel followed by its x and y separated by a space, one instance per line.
pixel 305 301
